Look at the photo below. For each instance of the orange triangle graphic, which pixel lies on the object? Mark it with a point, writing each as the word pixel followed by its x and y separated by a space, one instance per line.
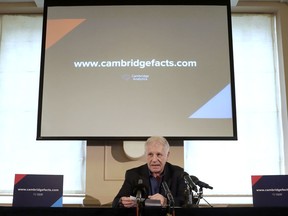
pixel 58 28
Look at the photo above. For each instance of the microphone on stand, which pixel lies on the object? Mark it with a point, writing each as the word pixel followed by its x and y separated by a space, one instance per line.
pixel 200 183
pixel 190 182
pixel 170 211
pixel 140 191
pixel 168 193
pixel 201 186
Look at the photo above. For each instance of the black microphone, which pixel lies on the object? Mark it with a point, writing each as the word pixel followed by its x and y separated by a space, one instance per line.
pixel 140 191
pixel 200 183
pixel 168 193
pixel 190 182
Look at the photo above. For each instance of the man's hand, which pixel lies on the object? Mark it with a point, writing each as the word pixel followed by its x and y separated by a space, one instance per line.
pixel 158 196
pixel 128 202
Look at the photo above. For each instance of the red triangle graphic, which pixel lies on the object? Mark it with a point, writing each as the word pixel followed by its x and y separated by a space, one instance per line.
pixel 58 28
pixel 18 177
pixel 255 179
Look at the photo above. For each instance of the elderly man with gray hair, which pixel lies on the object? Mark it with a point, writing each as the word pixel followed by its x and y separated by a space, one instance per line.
pixel 152 176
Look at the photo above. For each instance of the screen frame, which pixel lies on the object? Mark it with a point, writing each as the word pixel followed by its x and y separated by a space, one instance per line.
pixel 55 3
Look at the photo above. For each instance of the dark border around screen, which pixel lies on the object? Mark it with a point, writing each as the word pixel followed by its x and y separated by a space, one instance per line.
pixel 52 3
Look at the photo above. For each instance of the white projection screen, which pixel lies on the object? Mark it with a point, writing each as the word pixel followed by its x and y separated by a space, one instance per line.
pixel 134 69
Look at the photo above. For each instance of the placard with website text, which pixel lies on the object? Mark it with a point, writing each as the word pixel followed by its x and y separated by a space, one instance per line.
pixel 270 190
pixel 38 190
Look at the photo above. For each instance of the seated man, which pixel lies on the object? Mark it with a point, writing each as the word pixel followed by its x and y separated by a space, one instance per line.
pixel 152 174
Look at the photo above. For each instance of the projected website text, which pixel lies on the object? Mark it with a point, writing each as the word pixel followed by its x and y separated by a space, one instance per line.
pixel 134 63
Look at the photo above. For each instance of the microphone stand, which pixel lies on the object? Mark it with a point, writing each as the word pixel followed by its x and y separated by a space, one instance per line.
pixel 200 196
pixel 170 212
pixel 189 198
pixel 139 206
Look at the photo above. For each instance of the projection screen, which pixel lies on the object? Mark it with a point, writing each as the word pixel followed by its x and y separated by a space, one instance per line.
pixel 132 70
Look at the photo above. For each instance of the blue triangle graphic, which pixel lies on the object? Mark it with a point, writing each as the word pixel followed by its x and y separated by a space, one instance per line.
pixel 218 107
pixel 58 203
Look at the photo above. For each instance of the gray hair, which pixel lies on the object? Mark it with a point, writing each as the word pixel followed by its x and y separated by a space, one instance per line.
pixel 158 139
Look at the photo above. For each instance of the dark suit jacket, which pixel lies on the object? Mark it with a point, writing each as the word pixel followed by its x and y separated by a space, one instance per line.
pixel 173 175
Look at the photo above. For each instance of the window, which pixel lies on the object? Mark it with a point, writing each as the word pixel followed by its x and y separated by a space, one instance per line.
pixel 20 47
pixel 225 165
pixel 228 165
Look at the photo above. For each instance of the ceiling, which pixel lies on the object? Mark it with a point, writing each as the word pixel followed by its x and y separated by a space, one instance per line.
pixel 40 3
